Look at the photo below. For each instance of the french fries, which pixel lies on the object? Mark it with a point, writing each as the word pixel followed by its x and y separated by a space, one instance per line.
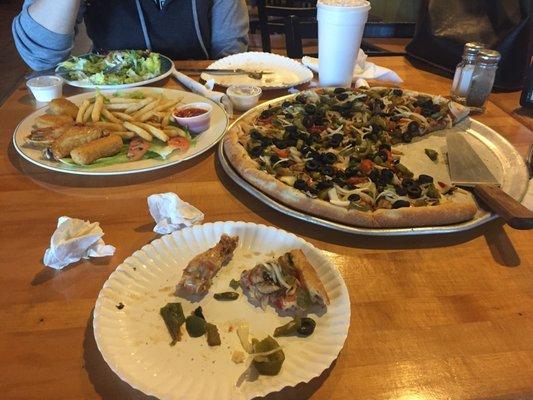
pixel 81 111
pixel 129 117
pixel 110 117
pixel 97 108
pixel 138 130
pixel 158 133
pixel 110 126
pixel 88 113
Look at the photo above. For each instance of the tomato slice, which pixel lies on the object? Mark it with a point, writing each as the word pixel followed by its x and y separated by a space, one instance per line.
pixel 179 143
pixel 282 153
pixel 366 166
pixel 138 148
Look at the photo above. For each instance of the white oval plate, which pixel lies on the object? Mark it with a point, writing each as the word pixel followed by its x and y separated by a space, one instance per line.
pixel 206 140
pixel 135 342
pixel 286 72
pixel 167 66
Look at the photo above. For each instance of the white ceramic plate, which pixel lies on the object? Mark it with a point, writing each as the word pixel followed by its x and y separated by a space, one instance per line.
pixel 219 123
pixel 166 69
pixel 286 72
pixel 135 343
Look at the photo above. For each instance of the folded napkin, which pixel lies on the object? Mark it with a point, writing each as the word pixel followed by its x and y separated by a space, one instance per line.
pixel 73 240
pixel 363 69
pixel 198 88
pixel 171 213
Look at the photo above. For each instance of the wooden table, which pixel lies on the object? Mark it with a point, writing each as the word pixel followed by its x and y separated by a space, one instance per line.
pixel 434 317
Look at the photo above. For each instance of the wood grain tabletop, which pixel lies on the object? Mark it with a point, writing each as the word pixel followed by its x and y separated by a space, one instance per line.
pixel 433 317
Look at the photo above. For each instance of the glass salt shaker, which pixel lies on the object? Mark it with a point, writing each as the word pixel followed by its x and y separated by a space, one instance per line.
pixel 464 70
pixel 482 79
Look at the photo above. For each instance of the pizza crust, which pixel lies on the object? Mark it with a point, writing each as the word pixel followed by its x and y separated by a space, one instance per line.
pixel 456 208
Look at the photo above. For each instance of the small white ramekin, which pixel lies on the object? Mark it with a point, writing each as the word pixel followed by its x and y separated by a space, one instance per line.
pixel 195 124
pixel 244 97
pixel 46 88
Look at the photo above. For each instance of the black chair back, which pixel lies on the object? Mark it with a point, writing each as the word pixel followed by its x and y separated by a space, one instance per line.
pixel 295 18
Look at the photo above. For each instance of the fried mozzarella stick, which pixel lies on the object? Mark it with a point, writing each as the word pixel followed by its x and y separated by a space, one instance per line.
pixel 92 151
pixel 198 275
pixel 74 137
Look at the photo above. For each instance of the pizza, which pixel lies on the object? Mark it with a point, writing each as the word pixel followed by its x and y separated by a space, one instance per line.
pixel 332 153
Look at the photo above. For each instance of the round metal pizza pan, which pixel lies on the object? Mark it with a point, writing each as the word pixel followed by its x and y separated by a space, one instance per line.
pixel 498 154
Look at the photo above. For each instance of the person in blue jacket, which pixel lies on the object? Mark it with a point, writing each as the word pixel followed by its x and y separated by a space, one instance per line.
pixel 180 29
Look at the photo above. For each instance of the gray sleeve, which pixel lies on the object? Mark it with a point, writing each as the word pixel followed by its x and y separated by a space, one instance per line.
pixel 39 47
pixel 229 27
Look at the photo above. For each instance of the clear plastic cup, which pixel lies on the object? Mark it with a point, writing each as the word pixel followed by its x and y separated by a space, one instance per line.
pixel 340 30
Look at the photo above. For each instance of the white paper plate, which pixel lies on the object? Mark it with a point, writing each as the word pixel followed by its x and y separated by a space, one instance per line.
pixel 135 343
pixel 206 140
pixel 286 72
pixel 167 67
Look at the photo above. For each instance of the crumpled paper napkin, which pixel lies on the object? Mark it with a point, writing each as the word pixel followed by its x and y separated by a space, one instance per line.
pixel 206 91
pixel 171 213
pixel 73 240
pixel 363 69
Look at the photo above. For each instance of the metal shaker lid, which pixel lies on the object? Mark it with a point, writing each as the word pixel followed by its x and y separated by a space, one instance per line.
pixel 488 56
pixel 473 48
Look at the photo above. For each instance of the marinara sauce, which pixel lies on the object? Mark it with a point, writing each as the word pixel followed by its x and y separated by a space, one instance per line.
pixel 190 112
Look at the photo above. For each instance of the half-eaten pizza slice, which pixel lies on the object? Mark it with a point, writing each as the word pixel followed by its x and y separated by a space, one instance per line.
pixel 288 282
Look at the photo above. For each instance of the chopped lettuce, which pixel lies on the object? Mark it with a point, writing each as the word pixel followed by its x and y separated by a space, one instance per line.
pixel 115 68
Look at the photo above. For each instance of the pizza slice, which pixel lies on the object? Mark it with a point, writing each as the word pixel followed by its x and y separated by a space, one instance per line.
pixel 290 282
pixel 197 277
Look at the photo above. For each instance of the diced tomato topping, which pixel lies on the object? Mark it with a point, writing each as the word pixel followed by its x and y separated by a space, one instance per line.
pixel 179 143
pixel 282 153
pixel 417 110
pixel 316 128
pixel 355 180
pixel 442 184
pixel 366 166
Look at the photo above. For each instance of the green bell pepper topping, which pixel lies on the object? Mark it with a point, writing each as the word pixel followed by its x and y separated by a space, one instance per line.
pixel 404 170
pixel 226 296
pixel 173 316
pixel 432 154
pixel 433 192
pixel 213 337
pixel 195 325
pixel 289 329
pixel 270 364
pixel 234 284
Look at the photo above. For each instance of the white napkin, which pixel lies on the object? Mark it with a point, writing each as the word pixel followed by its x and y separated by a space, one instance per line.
pixel 171 213
pixel 198 88
pixel 363 69
pixel 73 240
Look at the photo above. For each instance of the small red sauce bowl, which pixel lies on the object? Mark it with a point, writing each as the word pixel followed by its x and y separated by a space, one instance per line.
pixel 194 116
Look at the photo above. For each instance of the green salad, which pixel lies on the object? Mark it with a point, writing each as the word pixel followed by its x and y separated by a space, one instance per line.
pixel 115 68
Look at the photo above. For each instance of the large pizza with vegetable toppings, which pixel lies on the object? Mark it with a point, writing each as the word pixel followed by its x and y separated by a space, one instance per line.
pixel 333 153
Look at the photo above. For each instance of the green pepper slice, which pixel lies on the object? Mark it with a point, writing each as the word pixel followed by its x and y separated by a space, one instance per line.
pixel 432 154
pixel 270 364
pixel 289 329
pixel 173 316
pixel 226 296
pixel 195 325
pixel 213 337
